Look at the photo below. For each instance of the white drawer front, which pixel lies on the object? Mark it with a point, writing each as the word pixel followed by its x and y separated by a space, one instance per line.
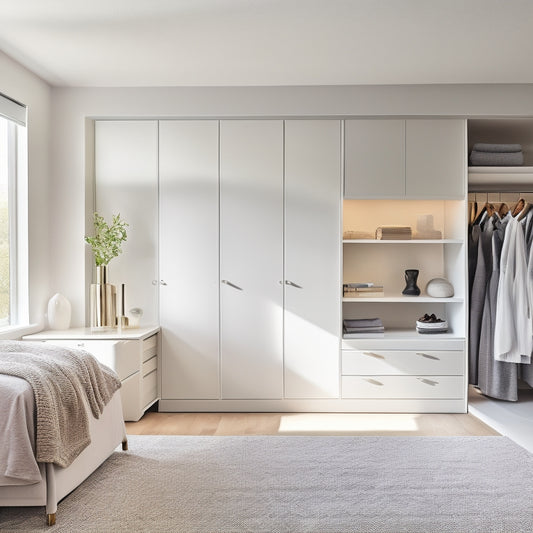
pixel 149 347
pixel 121 356
pixel 149 366
pixel 149 388
pixel 396 362
pixel 403 387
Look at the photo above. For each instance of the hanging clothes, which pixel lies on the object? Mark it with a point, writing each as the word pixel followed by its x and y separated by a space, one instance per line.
pixel 497 379
pixel 513 328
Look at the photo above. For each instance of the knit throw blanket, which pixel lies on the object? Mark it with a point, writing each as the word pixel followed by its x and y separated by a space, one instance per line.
pixel 64 381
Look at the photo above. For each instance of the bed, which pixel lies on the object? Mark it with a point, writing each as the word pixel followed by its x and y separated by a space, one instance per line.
pixel 60 419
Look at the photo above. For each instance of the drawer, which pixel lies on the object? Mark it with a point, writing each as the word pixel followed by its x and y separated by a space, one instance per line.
pixel 149 388
pixel 149 347
pixel 403 387
pixel 149 366
pixel 398 362
pixel 120 355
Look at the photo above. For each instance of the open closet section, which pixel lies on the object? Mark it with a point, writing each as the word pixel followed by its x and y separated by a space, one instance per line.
pixel 500 281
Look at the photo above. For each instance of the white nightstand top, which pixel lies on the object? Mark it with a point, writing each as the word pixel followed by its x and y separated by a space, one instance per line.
pixel 86 333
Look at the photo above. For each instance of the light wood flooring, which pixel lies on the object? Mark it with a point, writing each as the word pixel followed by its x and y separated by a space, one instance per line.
pixel 376 424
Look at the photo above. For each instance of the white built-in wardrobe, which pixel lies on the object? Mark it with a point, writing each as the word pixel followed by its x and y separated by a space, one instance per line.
pixel 236 249
pixel 249 252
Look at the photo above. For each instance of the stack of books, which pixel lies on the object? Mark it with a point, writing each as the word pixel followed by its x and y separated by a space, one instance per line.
pixel 394 233
pixel 362 290
pixel 362 327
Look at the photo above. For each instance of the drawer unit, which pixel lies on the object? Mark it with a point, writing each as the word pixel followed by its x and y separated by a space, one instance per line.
pixel 403 387
pixel 132 354
pixel 121 356
pixel 397 362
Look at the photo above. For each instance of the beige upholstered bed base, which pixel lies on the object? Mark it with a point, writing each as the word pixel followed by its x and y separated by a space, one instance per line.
pixel 107 433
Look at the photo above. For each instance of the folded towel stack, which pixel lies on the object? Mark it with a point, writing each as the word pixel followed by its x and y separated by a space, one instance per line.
pixel 497 155
pixel 361 327
pixel 393 233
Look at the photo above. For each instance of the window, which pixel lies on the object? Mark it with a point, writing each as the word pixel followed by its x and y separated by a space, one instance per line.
pixel 12 169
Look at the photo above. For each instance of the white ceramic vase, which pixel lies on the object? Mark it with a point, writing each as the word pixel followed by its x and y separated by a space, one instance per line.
pixel 59 311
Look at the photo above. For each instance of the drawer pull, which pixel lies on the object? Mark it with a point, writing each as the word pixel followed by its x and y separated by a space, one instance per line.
pixel 376 355
pixel 427 356
pixel 374 382
pixel 428 381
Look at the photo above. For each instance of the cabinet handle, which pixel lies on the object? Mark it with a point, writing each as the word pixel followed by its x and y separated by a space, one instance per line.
pixel 374 382
pixel 163 282
pixel 427 356
pixel 376 355
pixel 226 282
pixel 428 381
pixel 292 284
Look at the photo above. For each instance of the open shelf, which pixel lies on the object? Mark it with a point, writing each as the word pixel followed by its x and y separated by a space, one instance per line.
pixel 488 179
pixel 403 241
pixel 403 299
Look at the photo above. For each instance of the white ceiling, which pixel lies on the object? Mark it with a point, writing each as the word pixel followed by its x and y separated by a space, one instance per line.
pixel 270 42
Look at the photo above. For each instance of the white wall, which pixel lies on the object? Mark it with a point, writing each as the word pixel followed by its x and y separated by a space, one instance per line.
pixel 71 107
pixel 25 87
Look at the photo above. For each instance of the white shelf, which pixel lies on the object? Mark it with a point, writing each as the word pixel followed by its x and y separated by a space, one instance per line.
pixel 487 179
pixel 403 299
pixel 403 241
pixel 409 338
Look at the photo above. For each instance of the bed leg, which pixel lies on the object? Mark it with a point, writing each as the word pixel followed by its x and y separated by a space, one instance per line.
pixel 51 519
pixel 125 444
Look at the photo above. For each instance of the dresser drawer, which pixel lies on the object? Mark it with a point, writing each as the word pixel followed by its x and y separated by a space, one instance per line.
pixel 398 362
pixel 149 347
pixel 120 355
pixel 149 366
pixel 403 387
pixel 149 388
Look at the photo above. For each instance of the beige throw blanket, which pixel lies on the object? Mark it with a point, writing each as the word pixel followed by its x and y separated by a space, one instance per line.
pixel 63 382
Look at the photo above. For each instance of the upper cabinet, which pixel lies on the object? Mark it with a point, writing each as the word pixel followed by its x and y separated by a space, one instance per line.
pixel 374 153
pixel 413 158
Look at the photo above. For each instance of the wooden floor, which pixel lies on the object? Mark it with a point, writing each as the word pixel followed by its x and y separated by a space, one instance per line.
pixel 153 423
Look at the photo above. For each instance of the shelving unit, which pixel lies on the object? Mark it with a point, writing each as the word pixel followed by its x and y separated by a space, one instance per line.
pixel 402 366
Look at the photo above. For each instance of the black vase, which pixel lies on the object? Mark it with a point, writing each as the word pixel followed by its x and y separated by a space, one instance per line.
pixel 411 289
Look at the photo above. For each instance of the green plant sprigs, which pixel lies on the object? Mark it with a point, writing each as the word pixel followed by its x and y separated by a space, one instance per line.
pixel 107 239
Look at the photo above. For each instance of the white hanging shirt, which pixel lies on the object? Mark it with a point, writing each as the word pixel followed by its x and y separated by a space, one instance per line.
pixel 513 326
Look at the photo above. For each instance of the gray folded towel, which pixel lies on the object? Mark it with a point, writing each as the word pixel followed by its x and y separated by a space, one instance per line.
pixel 496 159
pixel 487 147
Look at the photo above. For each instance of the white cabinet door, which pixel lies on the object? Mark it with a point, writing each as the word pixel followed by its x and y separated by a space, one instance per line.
pixel 435 158
pixel 251 258
pixel 312 257
pixel 126 183
pixel 188 200
pixel 374 158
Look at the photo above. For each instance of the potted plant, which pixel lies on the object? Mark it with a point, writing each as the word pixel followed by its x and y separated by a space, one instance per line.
pixel 106 243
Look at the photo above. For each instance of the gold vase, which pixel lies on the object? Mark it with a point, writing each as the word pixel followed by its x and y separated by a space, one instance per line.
pixel 103 301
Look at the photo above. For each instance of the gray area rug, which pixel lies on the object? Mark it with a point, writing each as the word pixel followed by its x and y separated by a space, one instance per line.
pixel 299 484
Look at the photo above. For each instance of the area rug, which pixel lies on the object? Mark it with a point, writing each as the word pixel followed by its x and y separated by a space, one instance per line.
pixel 299 484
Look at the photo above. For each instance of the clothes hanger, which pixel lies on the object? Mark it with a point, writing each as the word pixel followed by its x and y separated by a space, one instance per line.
pixel 517 209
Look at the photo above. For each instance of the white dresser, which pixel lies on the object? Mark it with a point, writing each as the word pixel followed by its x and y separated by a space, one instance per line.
pixel 132 353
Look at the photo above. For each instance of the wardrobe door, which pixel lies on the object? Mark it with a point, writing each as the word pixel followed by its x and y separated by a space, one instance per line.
pixel 126 183
pixel 436 159
pixel 189 291
pixel 312 258
pixel 251 258
pixel 374 158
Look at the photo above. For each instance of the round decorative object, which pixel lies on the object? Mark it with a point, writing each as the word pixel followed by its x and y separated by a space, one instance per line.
pixel 59 310
pixel 439 288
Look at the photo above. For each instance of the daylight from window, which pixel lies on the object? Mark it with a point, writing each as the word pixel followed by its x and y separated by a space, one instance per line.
pixel 4 223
